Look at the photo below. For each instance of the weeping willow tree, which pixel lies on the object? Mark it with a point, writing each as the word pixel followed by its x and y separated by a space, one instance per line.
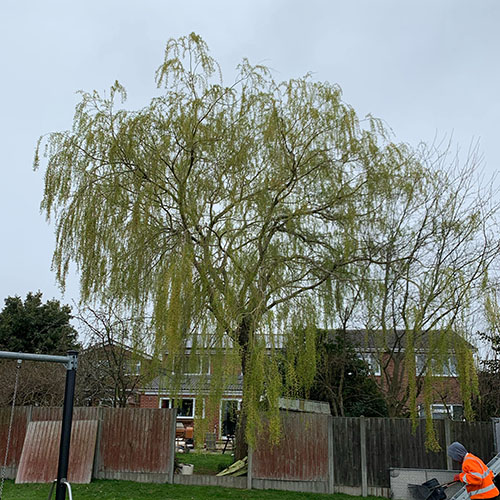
pixel 229 211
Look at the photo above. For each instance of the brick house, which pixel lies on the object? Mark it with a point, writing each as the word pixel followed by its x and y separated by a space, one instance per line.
pixel 110 373
pixel 382 361
pixel 386 360
pixel 189 386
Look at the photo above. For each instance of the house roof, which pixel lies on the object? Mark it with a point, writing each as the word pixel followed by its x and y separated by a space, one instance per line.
pixel 115 344
pixel 191 384
pixel 377 340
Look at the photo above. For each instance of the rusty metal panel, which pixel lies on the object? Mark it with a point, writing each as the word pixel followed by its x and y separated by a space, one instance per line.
pixel 40 454
pixel 136 440
pixel 302 453
pixel 19 425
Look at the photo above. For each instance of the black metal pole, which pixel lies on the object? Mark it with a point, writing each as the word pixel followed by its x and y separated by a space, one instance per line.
pixel 67 418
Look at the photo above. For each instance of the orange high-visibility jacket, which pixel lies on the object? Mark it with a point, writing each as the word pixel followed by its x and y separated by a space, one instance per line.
pixel 477 478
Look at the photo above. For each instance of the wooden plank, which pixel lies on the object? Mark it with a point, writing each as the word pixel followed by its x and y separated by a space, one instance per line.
pixel 40 454
pixel 347 454
pixel 392 443
pixel 302 453
pixel 362 443
pixel 18 432
pixel 136 440
pixel 55 413
pixel 477 437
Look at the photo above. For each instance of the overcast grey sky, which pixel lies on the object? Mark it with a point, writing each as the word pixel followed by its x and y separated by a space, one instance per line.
pixel 426 67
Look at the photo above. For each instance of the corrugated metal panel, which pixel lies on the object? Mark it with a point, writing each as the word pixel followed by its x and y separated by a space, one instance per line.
pixel 19 424
pixel 302 454
pixel 41 452
pixel 136 440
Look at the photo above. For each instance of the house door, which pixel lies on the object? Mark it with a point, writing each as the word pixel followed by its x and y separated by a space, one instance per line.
pixel 229 415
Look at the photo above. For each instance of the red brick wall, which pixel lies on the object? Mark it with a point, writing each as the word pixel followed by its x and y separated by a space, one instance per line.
pixel 444 388
pixel 149 401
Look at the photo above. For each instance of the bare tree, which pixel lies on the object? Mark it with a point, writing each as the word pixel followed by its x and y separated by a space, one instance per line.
pixel 39 384
pixel 436 243
pixel 110 368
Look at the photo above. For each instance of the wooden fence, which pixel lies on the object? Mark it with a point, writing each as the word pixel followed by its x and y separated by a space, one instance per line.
pixel 136 444
pixel 317 453
pixel 132 443
pixel 301 458
pixel 361 452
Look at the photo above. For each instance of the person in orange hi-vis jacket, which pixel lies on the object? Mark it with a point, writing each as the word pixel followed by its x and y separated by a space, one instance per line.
pixel 476 476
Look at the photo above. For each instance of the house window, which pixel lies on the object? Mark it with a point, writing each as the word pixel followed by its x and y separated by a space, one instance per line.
pixel 448 368
pixel 442 411
pixel 185 406
pixel 372 361
pixel 189 365
pixel 133 368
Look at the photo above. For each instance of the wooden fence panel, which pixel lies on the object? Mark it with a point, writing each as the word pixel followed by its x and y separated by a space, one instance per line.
pixel 136 440
pixel 302 453
pixel 19 426
pixel 392 443
pixel 51 413
pixel 346 451
pixel 40 455
pixel 141 440
pixel 477 437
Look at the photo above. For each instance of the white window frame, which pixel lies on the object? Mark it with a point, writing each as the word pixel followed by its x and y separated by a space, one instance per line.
pixel 204 366
pixel 133 368
pixel 373 363
pixel 171 404
pixel 449 370
pixel 438 409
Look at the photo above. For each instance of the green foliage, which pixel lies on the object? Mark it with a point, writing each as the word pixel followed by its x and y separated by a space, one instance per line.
pixel 486 404
pixel 36 327
pixel 233 212
pixel 342 378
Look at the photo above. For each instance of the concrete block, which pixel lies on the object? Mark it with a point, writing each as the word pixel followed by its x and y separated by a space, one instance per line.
pixel 401 478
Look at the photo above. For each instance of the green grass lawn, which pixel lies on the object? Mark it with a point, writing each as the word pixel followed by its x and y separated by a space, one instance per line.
pixel 204 462
pixel 127 490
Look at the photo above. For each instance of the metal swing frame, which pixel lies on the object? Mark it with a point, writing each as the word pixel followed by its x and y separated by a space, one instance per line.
pixel 71 362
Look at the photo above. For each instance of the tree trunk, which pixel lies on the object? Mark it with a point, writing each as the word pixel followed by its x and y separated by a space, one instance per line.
pixel 244 332
pixel 241 449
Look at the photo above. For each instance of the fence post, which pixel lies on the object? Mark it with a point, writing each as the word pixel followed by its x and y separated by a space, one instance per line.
pixel 97 455
pixel 172 430
pixel 249 468
pixel 495 422
pixel 364 471
pixel 447 442
pixel 331 470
